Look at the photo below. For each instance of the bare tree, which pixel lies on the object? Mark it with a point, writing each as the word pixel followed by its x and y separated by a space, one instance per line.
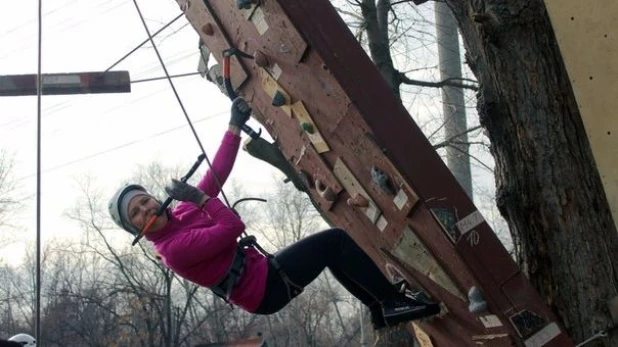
pixel 99 291
pixel 9 201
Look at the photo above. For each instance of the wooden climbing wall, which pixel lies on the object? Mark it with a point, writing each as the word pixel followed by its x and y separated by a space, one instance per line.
pixel 371 169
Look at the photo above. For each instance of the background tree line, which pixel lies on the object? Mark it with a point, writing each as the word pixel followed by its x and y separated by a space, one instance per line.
pixel 100 291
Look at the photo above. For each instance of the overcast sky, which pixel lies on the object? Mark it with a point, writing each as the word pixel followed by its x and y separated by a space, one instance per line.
pixel 103 135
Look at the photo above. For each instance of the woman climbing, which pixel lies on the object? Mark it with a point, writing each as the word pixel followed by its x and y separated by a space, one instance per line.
pixel 198 240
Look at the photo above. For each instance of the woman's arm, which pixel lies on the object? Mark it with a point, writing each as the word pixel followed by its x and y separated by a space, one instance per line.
pixel 222 164
pixel 224 160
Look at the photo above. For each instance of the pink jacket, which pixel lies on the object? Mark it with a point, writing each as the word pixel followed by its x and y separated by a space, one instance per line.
pixel 199 243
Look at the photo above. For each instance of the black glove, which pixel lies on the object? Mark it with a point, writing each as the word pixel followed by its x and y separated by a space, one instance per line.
pixel 241 111
pixel 185 192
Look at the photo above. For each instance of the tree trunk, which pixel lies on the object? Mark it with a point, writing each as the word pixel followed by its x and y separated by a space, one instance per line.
pixel 548 188
pixel 376 26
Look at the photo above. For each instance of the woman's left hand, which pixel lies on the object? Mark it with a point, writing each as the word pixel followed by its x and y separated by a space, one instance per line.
pixel 182 191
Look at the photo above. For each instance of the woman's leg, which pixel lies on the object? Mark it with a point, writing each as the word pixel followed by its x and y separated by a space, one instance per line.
pixel 304 260
pixel 276 295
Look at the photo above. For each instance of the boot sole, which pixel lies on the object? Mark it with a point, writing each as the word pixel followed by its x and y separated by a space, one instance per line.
pixel 411 315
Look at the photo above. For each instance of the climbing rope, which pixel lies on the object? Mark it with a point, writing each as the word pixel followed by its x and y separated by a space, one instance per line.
pixel 204 156
pixel 197 138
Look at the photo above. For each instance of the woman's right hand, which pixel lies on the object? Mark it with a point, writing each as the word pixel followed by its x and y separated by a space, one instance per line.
pixel 241 112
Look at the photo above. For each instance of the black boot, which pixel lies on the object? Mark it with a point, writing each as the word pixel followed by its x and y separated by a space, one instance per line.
pixel 403 309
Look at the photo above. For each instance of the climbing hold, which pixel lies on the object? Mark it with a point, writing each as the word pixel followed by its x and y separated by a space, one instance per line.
pixel 184 5
pixel 261 59
pixel 244 4
pixel 207 29
pixel 381 180
pixel 308 127
pixel 358 201
pixel 278 99
pixel 325 192
pixel 477 302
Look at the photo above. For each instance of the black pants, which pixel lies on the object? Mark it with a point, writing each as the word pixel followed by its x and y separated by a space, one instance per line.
pixel 304 260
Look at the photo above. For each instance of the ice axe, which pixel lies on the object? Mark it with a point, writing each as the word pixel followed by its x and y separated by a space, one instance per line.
pixel 227 83
pixel 167 201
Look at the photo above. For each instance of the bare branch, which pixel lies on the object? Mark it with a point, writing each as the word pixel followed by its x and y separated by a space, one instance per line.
pixel 450 140
pixel 449 82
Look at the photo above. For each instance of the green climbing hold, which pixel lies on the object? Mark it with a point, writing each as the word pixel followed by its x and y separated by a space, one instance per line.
pixel 308 127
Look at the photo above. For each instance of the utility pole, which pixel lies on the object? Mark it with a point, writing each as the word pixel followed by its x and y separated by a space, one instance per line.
pixel 453 105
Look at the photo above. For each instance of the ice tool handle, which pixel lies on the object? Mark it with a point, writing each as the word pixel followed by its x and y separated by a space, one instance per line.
pixel 168 201
pixel 231 93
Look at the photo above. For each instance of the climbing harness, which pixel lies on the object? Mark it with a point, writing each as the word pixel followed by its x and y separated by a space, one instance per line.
pixel 226 284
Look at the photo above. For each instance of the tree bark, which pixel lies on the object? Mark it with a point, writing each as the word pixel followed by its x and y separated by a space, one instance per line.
pixel 400 335
pixel 548 187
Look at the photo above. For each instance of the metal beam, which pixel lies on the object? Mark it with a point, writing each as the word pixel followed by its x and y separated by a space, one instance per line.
pixel 66 83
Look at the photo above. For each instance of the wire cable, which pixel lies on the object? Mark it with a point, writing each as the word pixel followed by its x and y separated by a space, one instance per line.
pixel 165 77
pixel 197 138
pixel 144 42
pixel 39 89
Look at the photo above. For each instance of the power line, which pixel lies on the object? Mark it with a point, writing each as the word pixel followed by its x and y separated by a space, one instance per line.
pixel 126 144
pixel 23 24
pixel 25 38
